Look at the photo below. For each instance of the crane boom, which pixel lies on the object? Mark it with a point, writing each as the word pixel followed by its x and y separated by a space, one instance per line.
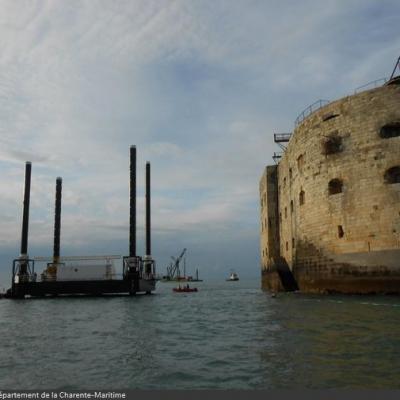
pixel 173 270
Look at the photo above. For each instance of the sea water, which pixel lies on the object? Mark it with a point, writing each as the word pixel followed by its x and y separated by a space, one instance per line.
pixel 228 335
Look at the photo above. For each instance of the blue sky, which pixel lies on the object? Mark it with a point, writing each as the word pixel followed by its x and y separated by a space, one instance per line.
pixel 198 86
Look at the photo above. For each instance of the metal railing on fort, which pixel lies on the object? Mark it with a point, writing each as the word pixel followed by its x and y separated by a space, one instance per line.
pixel 371 85
pixel 282 137
pixel 277 156
pixel 310 109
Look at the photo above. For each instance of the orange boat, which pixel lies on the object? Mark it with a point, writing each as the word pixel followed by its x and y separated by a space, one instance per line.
pixel 185 289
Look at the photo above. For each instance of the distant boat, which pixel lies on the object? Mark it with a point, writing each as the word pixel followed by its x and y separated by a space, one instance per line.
pixel 184 289
pixel 233 277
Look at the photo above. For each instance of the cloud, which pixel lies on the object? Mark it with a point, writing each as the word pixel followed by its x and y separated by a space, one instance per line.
pixel 199 87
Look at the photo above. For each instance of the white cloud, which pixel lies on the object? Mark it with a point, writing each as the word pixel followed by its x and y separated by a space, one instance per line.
pixel 199 87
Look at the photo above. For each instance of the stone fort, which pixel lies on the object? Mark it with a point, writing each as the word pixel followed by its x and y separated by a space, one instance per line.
pixel 330 208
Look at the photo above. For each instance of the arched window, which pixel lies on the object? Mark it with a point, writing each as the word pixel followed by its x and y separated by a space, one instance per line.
pixel 332 144
pixel 291 206
pixel 392 175
pixel 335 186
pixel 302 197
pixel 390 130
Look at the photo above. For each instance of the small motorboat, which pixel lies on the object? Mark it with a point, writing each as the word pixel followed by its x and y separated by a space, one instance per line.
pixel 233 277
pixel 184 289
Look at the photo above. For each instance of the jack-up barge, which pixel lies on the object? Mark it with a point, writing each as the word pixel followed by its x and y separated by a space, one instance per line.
pixel 79 278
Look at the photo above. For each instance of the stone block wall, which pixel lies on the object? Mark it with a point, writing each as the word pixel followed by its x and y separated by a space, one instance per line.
pixel 269 228
pixel 338 212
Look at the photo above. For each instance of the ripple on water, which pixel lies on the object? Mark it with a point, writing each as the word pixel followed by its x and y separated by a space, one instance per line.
pixel 224 337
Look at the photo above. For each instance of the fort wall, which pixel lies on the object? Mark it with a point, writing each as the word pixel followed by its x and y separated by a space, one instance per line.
pixel 338 198
pixel 269 235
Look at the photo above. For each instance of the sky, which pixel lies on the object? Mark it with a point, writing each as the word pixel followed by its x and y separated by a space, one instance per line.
pixel 198 86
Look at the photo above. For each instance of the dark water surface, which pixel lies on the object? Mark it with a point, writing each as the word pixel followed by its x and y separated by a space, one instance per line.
pixel 228 335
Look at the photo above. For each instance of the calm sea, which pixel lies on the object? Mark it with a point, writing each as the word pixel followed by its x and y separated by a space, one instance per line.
pixel 228 335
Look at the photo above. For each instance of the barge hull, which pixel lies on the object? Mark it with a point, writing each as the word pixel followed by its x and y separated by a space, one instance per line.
pixel 91 288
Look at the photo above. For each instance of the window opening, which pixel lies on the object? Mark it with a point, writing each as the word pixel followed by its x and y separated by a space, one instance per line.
pixel 302 197
pixel 335 186
pixel 332 144
pixel 392 175
pixel 300 162
pixel 390 130
pixel 329 116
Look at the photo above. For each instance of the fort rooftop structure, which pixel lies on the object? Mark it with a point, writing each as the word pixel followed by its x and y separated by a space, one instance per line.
pixel 330 208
